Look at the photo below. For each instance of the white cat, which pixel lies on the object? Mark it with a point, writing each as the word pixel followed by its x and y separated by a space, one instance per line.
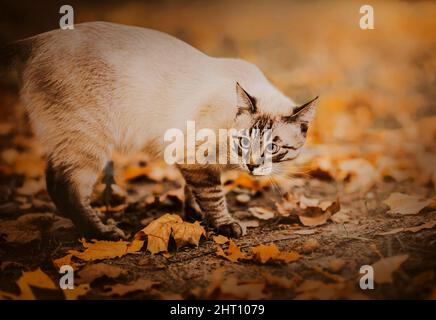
pixel 104 87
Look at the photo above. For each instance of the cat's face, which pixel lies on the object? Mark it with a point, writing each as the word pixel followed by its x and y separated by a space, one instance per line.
pixel 266 139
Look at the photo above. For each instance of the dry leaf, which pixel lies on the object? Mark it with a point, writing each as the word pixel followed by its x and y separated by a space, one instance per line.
pixel 36 278
pixel 362 175
pixel 328 275
pixel 248 224
pixel 95 271
pixel 236 289
pixel 233 253
pixel 26 228
pixel 261 213
pixel 314 289
pixel 100 250
pixel 123 289
pixel 247 181
pixel 406 204
pixel 265 253
pixel 277 281
pixel 311 212
pixel 230 287
pixel 187 233
pixel 427 225
pixel 219 239
pixel 160 230
pixel 288 205
pixel 80 290
pixel 243 198
pixel 385 267
pixel 336 265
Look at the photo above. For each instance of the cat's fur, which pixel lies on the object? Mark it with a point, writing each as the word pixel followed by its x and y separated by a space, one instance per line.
pixel 104 87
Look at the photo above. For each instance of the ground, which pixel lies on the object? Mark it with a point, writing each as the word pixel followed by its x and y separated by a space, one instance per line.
pixel 370 154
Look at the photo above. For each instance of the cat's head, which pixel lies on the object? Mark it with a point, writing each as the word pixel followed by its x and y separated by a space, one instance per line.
pixel 267 138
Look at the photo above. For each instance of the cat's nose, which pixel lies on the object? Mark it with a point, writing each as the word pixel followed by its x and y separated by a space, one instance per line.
pixel 251 167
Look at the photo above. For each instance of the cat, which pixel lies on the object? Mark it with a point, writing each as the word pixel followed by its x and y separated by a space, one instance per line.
pixel 104 87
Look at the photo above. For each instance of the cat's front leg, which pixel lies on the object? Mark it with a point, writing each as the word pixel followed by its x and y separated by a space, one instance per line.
pixel 205 183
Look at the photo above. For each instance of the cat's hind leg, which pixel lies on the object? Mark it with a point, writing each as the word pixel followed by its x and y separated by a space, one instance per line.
pixel 70 187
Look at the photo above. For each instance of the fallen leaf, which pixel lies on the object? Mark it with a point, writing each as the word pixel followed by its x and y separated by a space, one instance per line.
pixel 36 278
pixel 123 289
pixel 385 267
pixel 80 290
pixel 265 253
pixel 311 212
pixel 230 287
pixel 328 275
pixel 336 265
pixel 247 181
pixel 277 281
pixel 314 289
pixel 159 231
pixel 406 204
pixel 243 198
pixel 91 272
pixel 233 253
pixel 187 233
pixel 261 213
pixel 248 224
pixel 362 175
pixel 427 225
pixel 340 217
pixel 26 228
pixel 237 289
pixel 100 250
pixel 219 239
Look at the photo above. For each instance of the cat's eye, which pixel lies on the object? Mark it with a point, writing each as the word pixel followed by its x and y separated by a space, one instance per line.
pixel 244 142
pixel 304 127
pixel 272 148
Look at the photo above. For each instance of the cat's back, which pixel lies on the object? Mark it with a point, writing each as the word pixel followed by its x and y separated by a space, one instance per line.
pixel 114 43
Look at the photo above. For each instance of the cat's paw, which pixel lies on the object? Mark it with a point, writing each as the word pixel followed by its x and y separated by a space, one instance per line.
pixel 231 230
pixel 108 232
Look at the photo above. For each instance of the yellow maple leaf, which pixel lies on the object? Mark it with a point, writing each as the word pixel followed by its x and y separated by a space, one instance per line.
pixel 233 253
pixel 160 230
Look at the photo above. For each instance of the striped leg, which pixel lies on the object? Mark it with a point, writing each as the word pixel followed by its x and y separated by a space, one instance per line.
pixel 205 184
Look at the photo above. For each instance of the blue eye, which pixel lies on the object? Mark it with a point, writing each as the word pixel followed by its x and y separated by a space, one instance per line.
pixel 244 142
pixel 272 148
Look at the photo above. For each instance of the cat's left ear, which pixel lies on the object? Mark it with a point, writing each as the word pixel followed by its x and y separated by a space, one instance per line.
pixel 245 103
pixel 303 113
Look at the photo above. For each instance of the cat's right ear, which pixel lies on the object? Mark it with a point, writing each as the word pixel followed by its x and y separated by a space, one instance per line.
pixel 245 103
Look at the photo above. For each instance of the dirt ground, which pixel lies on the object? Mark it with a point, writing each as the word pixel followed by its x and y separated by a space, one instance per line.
pixel 374 137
